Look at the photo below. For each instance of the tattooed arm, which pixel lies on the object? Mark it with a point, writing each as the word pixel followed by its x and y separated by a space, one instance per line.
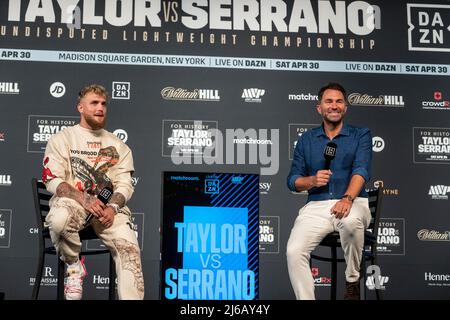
pixel 89 202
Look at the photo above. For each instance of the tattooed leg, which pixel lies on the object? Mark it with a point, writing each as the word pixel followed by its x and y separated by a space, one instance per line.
pixel 130 260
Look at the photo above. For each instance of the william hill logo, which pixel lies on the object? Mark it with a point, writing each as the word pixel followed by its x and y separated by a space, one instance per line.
pixel 9 88
pixel 5 180
pixel 171 93
pixel 359 99
pixel 253 94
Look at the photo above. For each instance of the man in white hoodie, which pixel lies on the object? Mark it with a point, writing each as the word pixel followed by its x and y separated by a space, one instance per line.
pixel 79 163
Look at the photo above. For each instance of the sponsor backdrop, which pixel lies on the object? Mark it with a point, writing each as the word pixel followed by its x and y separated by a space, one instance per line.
pixel 228 86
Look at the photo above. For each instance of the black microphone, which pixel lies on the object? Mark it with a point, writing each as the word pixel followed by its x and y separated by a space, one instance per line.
pixel 329 154
pixel 104 195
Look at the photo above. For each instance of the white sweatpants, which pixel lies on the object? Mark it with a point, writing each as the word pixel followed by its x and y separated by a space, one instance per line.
pixel 67 217
pixel 312 224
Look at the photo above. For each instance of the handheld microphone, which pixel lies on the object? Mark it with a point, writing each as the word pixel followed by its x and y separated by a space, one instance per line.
pixel 104 195
pixel 329 153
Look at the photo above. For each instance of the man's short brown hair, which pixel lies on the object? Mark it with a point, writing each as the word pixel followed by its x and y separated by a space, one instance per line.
pixel 332 86
pixel 94 88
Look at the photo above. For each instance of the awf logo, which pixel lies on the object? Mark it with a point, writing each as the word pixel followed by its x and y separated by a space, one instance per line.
pixel 439 192
pixel 253 94
pixel 438 104
pixel 121 90
pixel 320 281
pixel 429 27
pixel 57 89
pixel 5 180
pixel 9 88
pixel 375 280
pixel 377 144
pixel 121 134
pixel 237 179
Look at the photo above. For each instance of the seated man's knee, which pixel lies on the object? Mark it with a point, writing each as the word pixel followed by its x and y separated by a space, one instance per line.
pixel 57 221
pixel 296 251
pixel 352 223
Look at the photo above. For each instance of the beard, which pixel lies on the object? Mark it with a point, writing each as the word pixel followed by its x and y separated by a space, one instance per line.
pixel 333 120
pixel 95 123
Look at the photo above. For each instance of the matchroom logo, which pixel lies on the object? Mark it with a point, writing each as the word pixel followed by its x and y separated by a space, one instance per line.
pixel 429 27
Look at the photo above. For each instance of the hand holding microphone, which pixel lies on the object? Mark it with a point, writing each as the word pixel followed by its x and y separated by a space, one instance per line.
pixel 104 195
pixel 322 177
pixel 329 153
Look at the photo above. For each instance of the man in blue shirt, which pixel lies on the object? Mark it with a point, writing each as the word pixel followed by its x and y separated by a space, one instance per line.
pixel 337 200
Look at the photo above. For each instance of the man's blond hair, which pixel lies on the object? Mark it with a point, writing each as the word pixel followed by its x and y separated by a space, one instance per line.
pixel 94 88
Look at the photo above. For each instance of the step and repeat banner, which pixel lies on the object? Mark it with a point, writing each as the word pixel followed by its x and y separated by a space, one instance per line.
pixel 227 86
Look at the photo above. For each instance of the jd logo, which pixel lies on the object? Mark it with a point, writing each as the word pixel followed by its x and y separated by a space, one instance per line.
pixel 57 89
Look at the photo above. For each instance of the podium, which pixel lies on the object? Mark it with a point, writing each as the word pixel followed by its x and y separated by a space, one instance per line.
pixel 209 236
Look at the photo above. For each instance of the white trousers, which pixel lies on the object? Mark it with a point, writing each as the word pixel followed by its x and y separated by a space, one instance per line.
pixel 312 224
pixel 67 217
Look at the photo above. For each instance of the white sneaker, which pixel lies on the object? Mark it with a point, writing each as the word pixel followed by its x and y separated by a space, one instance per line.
pixel 73 281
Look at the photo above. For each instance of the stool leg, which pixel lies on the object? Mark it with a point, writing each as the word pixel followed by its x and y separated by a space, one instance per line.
pixel 112 278
pixel 362 269
pixel 38 278
pixel 60 286
pixel 333 273
pixel 375 262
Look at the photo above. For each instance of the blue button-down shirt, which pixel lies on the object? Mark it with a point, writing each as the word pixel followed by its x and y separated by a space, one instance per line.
pixel 353 156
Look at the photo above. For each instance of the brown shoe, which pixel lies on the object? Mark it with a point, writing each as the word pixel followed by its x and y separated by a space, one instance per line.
pixel 352 291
